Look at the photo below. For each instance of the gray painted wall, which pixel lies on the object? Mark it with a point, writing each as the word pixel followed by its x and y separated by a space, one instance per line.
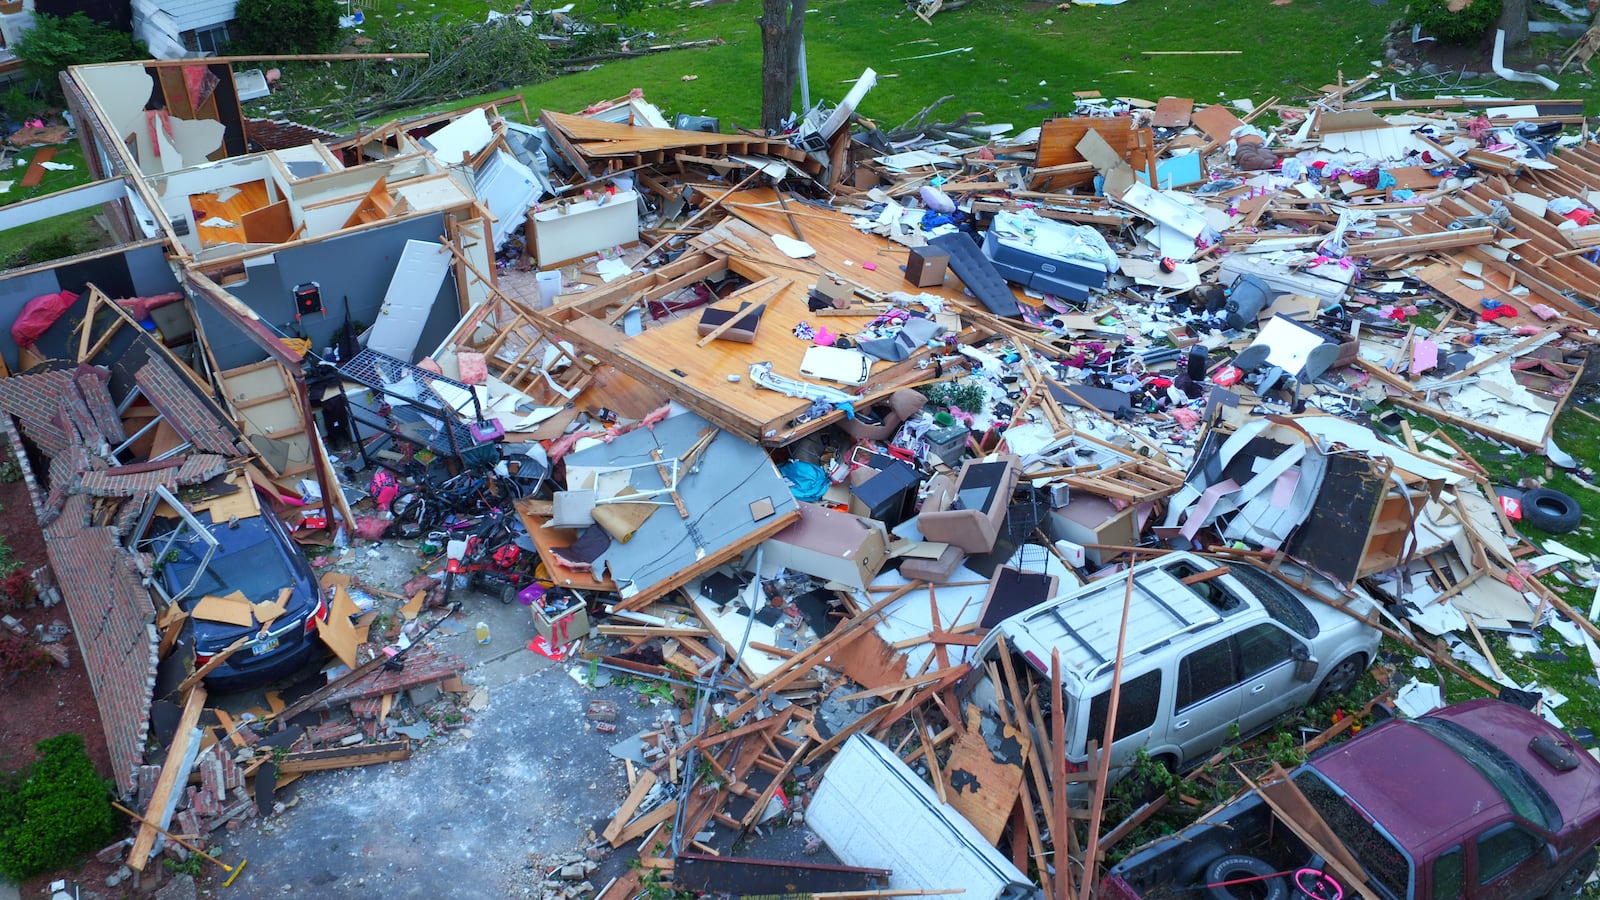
pixel 141 272
pixel 358 266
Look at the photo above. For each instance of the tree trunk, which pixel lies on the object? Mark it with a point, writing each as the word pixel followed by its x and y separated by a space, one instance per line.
pixel 1514 22
pixel 782 26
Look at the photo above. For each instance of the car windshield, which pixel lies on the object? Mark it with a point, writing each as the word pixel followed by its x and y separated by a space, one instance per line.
pixel 246 563
pixel 1282 605
pixel 1374 849
pixel 1524 795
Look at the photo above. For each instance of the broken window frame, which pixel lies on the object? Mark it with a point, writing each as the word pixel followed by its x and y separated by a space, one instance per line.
pixel 188 523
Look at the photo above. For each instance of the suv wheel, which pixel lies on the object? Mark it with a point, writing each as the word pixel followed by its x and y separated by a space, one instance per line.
pixel 1341 677
pixel 1578 873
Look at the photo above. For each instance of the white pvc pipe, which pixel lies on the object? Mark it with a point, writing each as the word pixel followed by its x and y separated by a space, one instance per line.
pixel 1500 69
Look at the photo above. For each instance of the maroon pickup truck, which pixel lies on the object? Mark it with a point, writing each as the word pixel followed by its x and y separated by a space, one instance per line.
pixel 1482 799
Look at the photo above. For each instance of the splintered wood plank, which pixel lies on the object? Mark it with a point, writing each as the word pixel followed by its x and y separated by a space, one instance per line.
pixel 168 780
pixel 983 783
pixel 36 169
pixel 636 796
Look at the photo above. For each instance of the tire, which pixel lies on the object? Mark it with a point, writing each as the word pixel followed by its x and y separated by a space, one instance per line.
pixel 1550 511
pixel 1341 677
pixel 1237 867
pixel 1572 880
pixel 508 593
pixel 1142 789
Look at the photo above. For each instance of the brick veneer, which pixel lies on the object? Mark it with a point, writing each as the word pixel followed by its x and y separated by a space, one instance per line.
pixel 189 414
pixel 70 416
pixel 114 621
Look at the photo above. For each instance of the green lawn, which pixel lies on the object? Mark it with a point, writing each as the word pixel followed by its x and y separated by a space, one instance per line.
pixel 1013 61
pixel 69 153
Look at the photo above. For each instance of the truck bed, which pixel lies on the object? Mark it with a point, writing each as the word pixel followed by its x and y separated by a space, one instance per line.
pixel 1174 866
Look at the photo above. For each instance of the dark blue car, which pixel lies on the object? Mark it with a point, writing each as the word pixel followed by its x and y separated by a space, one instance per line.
pixel 256 557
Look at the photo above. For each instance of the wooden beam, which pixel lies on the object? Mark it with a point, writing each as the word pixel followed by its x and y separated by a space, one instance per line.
pixel 177 754
pixel 345 757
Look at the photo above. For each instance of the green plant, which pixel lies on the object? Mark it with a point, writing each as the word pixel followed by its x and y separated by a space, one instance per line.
pixel 56 813
pixel 55 42
pixel 287 26
pixel 18 105
pixel 10 472
pixel 18 658
pixel 965 396
pixel 1462 26
pixel 189 866
pixel 17 590
pixel 8 560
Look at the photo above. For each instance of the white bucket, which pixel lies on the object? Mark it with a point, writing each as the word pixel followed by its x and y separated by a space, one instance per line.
pixel 549 287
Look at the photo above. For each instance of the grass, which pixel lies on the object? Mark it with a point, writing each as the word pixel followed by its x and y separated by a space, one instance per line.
pixel 1013 61
pixel 69 153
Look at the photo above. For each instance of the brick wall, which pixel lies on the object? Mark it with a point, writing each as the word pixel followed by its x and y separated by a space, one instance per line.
pixel 114 621
pixel 193 416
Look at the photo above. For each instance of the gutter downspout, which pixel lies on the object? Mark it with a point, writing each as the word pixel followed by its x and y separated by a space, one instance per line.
pixel 1499 66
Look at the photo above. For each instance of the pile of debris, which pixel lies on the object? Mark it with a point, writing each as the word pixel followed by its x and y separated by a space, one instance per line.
pixel 801 431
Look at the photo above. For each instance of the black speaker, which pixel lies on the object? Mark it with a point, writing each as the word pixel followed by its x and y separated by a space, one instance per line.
pixel 307 299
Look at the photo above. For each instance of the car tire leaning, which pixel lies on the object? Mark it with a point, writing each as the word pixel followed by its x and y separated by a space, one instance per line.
pixel 1236 867
pixel 1551 511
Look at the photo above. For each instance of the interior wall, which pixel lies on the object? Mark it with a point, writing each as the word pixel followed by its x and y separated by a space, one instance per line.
pixel 358 266
pixel 140 272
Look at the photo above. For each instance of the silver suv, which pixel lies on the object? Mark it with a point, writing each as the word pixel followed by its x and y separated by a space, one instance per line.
pixel 1209 645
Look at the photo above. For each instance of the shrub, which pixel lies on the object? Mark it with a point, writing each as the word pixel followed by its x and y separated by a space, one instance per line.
pixel 60 811
pixel 55 42
pixel 17 590
pixel 287 26
pixel 1463 27
pixel 18 658
pixel 8 560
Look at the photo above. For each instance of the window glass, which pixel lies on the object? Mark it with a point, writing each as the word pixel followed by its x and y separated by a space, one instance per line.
pixel 1209 590
pixel 1260 648
pixel 1448 877
pixel 1205 672
pixel 1136 709
pixel 1515 784
pixel 1279 601
pixel 1502 848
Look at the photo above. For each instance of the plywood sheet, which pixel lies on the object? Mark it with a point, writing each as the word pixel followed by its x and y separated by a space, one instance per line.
pixel 1172 112
pixel 338 632
pixel 1217 121
pixel 233 609
pixel 983 783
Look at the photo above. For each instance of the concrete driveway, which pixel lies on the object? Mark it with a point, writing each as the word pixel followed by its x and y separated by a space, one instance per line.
pixel 474 814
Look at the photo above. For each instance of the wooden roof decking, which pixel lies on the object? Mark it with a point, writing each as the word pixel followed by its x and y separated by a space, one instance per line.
pixel 596 145
pixel 667 354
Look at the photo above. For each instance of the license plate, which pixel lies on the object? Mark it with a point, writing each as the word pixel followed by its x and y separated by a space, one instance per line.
pixel 264 646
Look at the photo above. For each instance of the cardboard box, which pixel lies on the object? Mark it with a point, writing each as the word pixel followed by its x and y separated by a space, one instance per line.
pixel 566 625
pixel 926 266
pixel 831 545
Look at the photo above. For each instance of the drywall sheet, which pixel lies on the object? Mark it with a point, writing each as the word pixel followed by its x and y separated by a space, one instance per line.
pixel 138 272
pixel 465 136
pixel 353 272
pixel 509 187
pixel 585 227
pixel 409 300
